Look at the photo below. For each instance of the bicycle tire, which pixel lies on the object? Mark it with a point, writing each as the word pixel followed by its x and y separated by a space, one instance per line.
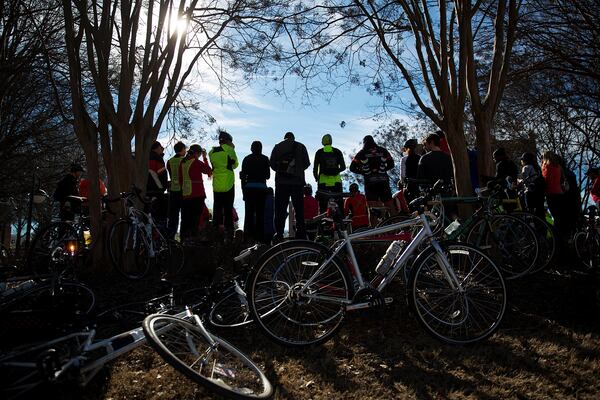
pixel 26 368
pixel 128 250
pixel 231 311
pixel 446 313
pixel 271 297
pixel 511 243
pixel 546 239
pixel 587 248
pixel 178 341
pixel 39 254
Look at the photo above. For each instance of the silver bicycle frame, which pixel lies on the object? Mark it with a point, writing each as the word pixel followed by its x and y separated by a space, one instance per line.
pixel 423 234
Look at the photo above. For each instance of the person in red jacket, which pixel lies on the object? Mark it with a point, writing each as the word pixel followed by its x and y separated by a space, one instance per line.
pixel 311 206
pixel 192 189
pixel 400 203
pixel 356 205
pixel 593 175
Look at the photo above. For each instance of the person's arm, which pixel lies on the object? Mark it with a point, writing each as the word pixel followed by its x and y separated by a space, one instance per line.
pixel 356 165
pixel 266 169
pixel 231 153
pixel 243 172
pixel 403 168
pixel 421 172
pixel 274 160
pixel 305 157
pixel 341 162
pixel 596 187
pixel 347 206
pixel 316 165
pixel 389 161
pixel 204 167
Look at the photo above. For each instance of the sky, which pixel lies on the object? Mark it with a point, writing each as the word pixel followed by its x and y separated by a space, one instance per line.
pixel 259 114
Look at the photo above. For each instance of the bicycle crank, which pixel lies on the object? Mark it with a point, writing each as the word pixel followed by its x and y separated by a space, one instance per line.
pixel 368 298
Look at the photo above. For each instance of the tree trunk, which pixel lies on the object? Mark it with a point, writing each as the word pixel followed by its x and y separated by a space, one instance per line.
pixel 483 142
pixel 460 159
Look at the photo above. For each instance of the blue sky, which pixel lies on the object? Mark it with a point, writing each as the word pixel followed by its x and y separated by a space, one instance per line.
pixel 258 114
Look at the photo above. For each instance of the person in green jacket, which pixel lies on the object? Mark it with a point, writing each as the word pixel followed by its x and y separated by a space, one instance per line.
pixel 329 163
pixel 223 160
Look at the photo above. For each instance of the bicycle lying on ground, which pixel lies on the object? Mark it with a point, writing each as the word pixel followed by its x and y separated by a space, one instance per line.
pixel 180 339
pixel 136 243
pixel 300 292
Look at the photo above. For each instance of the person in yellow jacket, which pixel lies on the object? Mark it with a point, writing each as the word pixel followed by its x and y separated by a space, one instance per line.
pixel 329 163
pixel 223 160
pixel 175 196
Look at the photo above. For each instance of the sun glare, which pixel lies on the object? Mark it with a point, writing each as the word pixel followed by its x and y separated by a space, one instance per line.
pixel 178 25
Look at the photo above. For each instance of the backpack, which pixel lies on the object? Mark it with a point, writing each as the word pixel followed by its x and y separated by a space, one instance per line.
pixel 287 164
pixel 329 164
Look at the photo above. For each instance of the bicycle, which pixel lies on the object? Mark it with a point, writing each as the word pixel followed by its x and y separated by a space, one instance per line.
pixel 48 238
pixel 301 292
pixel 587 240
pixel 79 356
pixel 136 242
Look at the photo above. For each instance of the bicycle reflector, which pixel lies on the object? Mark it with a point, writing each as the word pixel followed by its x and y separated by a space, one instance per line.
pixel 71 246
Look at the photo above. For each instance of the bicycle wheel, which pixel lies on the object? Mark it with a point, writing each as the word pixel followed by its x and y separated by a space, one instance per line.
pixel 283 311
pixel 27 368
pixel 231 311
pixel 128 249
pixel 546 239
pixel 509 241
pixel 587 248
pixel 208 361
pixel 451 315
pixel 39 254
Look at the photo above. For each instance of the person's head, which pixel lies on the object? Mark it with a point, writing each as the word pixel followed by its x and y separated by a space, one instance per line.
pixel 592 173
pixel 353 188
pixel 256 147
pixel 157 148
pixel 308 190
pixel 326 140
pixel 441 134
pixel 399 184
pixel 528 159
pixel 432 142
pixel 270 191
pixel 368 142
pixel 410 145
pixel 289 136
pixel 179 148
pixel 76 170
pixel 195 151
pixel 499 154
pixel 549 158
pixel 225 137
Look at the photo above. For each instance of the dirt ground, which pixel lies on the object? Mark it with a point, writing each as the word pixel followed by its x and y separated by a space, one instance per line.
pixel 547 347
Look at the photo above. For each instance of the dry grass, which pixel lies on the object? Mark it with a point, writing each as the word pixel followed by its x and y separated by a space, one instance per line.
pixel 547 347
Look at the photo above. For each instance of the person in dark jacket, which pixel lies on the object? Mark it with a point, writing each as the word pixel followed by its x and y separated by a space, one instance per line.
pixel 68 186
pixel 534 184
pixel 329 163
pixel 435 164
pixel 254 175
pixel 373 162
pixel 193 193
pixel 289 159
pixel 409 165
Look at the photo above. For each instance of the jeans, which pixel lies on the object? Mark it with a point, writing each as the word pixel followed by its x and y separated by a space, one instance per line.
pixel 175 202
pixel 255 213
pixel 223 209
pixel 191 209
pixel 283 193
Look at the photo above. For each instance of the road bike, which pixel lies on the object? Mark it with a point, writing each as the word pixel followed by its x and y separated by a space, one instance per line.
pixel 136 243
pixel 300 293
pixel 587 240
pixel 180 339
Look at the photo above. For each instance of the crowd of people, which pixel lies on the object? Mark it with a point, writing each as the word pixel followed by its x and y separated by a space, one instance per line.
pixel 179 187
